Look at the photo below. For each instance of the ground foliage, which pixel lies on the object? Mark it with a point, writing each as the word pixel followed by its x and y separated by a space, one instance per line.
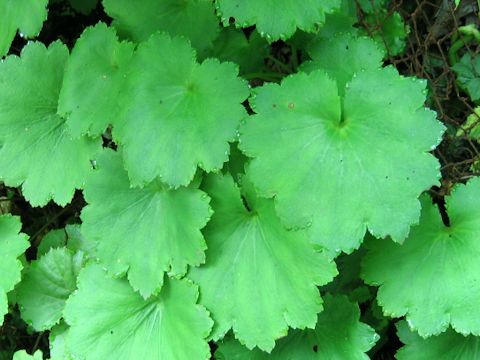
pixel 203 232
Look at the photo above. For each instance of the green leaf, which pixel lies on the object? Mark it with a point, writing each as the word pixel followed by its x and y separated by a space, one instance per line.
pixel 389 30
pixel 341 21
pixel 145 231
pixel 23 355
pixel 24 15
pixel 123 326
pixel 189 112
pixel 364 156
pixel 348 282
pixel 77 242
pixel 248 53
pixel 46 285
pixel 93 79
pixel 438 263
pixel 471 127
pixel 338 335
pixel 449 345
pixel 193 19
pixel 56 339
pixel 253 280
pixel 276 19
pixel 468 74
pixel 371 6
pixel 36 146
pixel 53 239
pixel 12 245
pixel 84 7
pixel 342 56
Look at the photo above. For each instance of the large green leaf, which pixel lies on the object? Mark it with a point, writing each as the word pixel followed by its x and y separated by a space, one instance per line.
pixel 360 160
pixel 193 19
pixel 145 231
pixel 36 149
pixel 253 280
pixel 276 19
pixel 12 245
pixel 338 335
pixel 47 284
pixel 110 321
pixel 434 277
pixel 188 112
pixel 93 78
pixel 449 345
pixel 24 15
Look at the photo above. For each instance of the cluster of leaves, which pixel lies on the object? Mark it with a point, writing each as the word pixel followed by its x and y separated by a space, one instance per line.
pixel 235 201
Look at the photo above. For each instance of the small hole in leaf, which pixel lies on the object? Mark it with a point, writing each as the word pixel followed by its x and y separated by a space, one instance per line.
pixel 315 348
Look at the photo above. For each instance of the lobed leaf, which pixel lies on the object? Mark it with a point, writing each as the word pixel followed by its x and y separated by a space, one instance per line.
pixel 449 345
pixel 27 16
pixel 93 79
pixel 143 232
pixel 360 160
pixel 253 281
pixel 193 19
pixel 276 19
pixel 339 334
pixel 35 144
pixel 47 284
pixel 123 326
pixel 189 113
pixel 434 277
pixel 12 245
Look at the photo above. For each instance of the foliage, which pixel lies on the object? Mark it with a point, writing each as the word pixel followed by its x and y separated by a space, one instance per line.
pixel 232 179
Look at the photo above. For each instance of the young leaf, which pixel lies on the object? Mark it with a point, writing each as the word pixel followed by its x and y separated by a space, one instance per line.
pixel 468 74
pixel 83 6
pixel 12 245
pixel 36 145
pixel 449 345
pixel 364 156
pixel 110 321
pixel 145 231
pixel 253 280
pixel 53 239
pixel 341 21
pixel 276 19
pixel 338 335
pixel 47 284
pixel 389 31
pixel 434 277
pixel 193 19
pixel 189 112
pixel 93 79
pixel 248 53
pixel 24 15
